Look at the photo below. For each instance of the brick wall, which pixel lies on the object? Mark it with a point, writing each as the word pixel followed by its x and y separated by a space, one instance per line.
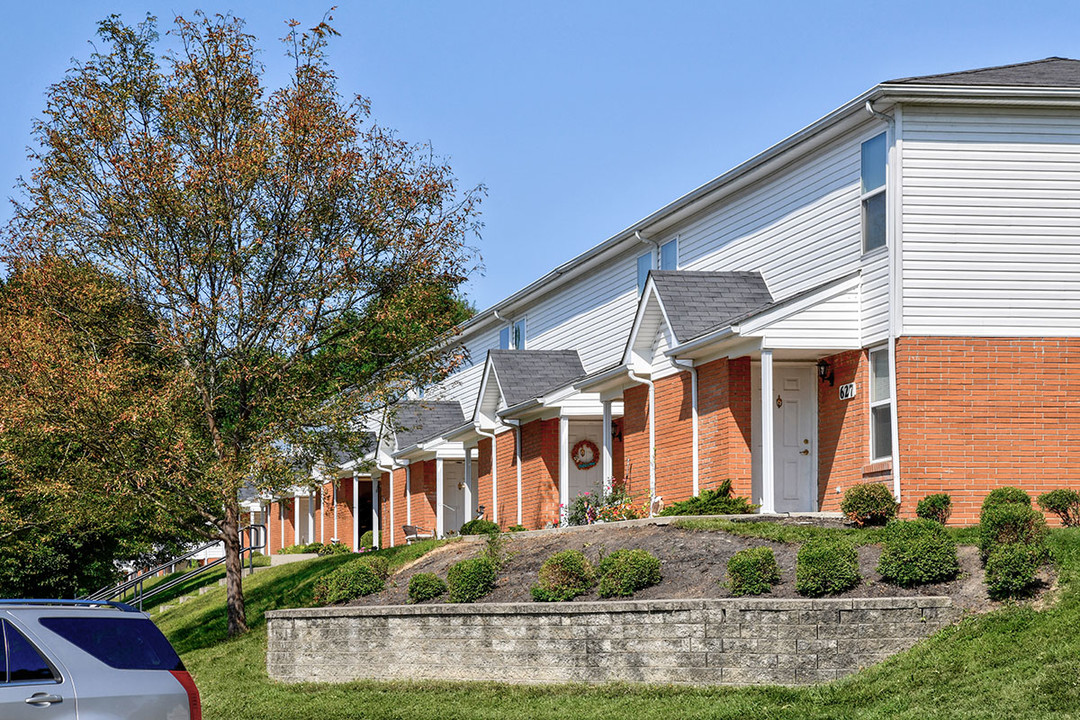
pixel 507 457
pixel 635 427
pixel 674 438
pixel 979 413
pixel 690 642
pixel 724 424
pixel 422 497
pixel 539 475
pixel 483 476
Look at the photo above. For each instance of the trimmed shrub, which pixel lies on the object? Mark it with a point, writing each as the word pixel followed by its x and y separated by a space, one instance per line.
pixel 624 572
pixel 516 528
pixel 379 564
pixel 1010 570
pixel 479 527
pixel 425 586
pixel 1012 524
pixel 917 552
pixel 935 507
pixel 752 571
pixel 718 501
pixel 1065 503
pixel 1005 496
pixel 470 579
pixel 348 582
pixel 826 566
pixel 367 539
pixel 869 504
pixel 333 548
pixel 564 576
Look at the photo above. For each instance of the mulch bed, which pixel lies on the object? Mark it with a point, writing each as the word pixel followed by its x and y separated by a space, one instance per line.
pixel 693 563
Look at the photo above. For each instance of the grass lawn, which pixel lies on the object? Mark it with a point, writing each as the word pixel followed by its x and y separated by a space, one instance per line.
pixel 1013 663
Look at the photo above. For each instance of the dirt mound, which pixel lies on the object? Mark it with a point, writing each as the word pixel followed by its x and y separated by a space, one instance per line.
pixel 693 562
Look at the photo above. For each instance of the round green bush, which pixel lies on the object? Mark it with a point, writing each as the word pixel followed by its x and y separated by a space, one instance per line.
pixel 869 504
pixel 348 582
pixel 1006 496
pixel 333 548
pixel 935 507
pixel 471 579
pixel 425 586
pixel 826 566
pixel 1010 570
pixel 479 527
pixel 917 552
pixel 1011 524
pixel 624 572
pixel 752 571
pixel 564 576
pixel 1065 503
pixel 367 539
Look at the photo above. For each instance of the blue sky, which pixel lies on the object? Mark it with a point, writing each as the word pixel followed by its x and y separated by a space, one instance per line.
pixel 579 117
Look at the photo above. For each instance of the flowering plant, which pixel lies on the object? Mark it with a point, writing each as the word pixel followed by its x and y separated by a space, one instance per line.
pixel 603 505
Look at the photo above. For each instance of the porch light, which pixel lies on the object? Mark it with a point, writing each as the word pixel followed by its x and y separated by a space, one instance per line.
pixel 825 372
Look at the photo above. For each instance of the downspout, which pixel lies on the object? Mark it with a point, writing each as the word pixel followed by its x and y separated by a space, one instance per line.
pixel 375 499
pixel 494 471
pixel 517 460
pixel 689 366
pixel 652 435
pixel 892 189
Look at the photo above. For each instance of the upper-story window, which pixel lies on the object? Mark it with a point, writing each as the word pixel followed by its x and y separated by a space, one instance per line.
pixel 880 405
pixel 512 337
pixel 504 338
pixel 644 265
pixel 874 160
pixel 669 255
pixel 519 334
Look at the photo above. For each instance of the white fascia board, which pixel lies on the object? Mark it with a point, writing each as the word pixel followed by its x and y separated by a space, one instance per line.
pixel 980 95
pixel 800 303
pixel 489 371
pixel 648 293
pixel 613 379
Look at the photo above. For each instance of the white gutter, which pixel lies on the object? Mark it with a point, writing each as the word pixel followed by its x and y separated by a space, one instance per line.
pixel 494 473
pixel 652 434
pixel 689 366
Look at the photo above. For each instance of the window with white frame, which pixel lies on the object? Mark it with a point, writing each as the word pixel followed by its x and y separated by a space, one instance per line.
pixel 669 255
pixel 519 334
pixel 880 405
pixel 644 265
pixel 504 338
pixel 874 160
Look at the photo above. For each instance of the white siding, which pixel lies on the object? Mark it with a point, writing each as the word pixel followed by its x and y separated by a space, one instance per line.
pixel 875 299
pixel 799 228
pixel 464 385
pixel 991 222
pixel 831 323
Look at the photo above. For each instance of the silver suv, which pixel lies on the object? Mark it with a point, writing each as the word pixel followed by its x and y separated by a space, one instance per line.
pixel 84 660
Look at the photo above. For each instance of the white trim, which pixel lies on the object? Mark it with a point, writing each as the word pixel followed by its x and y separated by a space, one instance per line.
pixel 355 514
pixel 872 404
pixel 469 502
pixel 608 452
pixel 440 515
pixel 517 464
pixel 408 494
pixel 768 474
pixel 564 469
pixel 390 483
pixel 376 519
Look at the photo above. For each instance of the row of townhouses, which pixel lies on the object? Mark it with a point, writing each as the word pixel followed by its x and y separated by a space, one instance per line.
pixel 891 294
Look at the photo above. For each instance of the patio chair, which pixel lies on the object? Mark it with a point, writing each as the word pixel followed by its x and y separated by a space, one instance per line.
pixel 415 532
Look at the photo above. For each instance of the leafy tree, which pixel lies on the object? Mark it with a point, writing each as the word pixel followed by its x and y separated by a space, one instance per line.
pixel 295 258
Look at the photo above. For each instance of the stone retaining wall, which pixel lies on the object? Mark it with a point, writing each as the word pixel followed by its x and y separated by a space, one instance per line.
pixel 729 641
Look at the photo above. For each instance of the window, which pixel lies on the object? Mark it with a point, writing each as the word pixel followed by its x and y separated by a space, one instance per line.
pixel 504 338
pixel 124 643
pixel 880 405
pixel 644 265
pixel 519 334
pixel 24 662
pixel 669 255
pixel 874 160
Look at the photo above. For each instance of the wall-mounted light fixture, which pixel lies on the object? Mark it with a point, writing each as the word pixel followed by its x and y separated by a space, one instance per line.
pixel 825 372
pixel 616 432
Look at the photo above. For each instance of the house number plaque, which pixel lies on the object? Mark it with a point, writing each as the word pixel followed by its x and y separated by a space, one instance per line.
pixel 847 391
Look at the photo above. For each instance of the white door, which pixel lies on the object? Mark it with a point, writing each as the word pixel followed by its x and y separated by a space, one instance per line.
pixel 453 495
pixel 587 437
pixel 794 406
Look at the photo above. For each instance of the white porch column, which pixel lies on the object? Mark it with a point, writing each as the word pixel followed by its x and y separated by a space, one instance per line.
pixel 468 484
pixel 517 462
pixel 768 476
pixel 333 506
pixel 608 453
pixel 311 519
pixel 375 519
pixel 393 518
pixel 440 515
pixel 296 519
pixel 355 514
pixel 281 520
pixel 564 468
pixel 408 494
pixel 322 517
pixel 269 526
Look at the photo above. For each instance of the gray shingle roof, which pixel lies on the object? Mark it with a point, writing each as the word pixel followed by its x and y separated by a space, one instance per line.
pixel 697 302
pixel 420 420
pixel 1049 72
pixel 527 374
pixel 342 456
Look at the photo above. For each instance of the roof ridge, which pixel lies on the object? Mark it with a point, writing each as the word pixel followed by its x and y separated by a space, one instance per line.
pixel 982 69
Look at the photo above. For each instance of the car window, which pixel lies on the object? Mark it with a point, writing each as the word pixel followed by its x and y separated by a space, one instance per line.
pixel 123 643
pixel 24 663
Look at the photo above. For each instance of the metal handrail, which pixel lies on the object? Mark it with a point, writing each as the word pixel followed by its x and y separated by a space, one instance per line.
pixel 256 537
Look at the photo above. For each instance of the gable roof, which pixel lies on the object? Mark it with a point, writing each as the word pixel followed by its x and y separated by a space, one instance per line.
pixel 418 420
pixel 696 302
pixel 527 374
pixel 1049 72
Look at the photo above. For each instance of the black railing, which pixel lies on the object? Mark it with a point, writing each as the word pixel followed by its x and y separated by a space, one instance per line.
pixel 252 538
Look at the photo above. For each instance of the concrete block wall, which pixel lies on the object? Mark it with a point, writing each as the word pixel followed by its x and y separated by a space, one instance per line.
pixel 689 642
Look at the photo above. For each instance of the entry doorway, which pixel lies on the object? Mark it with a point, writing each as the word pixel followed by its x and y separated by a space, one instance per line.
pixel 795 458
pixel 587 436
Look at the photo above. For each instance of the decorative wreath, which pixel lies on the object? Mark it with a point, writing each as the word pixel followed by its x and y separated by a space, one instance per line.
pixel 585 454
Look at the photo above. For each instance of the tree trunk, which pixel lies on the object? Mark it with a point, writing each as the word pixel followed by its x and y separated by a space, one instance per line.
pixel 234 590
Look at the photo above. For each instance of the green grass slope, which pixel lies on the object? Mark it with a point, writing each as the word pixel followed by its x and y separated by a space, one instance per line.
pixel 1013 663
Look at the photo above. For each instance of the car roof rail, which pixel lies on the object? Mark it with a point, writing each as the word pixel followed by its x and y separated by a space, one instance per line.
pixel 71 603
